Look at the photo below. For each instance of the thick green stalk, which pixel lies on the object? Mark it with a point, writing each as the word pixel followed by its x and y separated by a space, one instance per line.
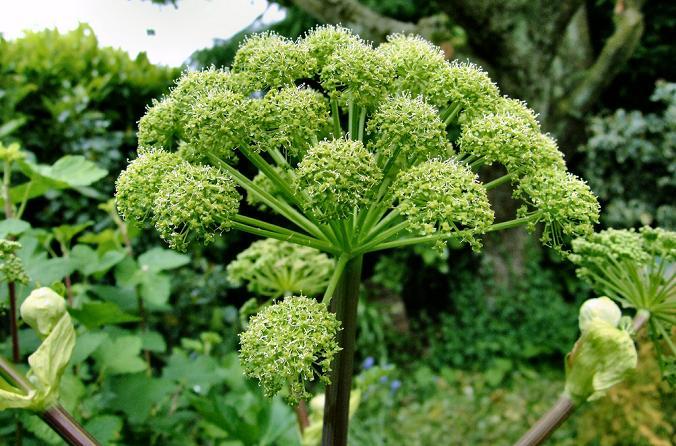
pixel 299 239
pixel 337 400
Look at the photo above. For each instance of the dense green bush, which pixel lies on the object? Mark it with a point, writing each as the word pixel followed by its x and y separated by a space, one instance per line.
pixel 622 148
pixel 64 94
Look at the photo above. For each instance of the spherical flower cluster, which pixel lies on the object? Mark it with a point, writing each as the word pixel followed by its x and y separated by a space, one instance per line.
pixel 293 119
pixel 561 201
pixel 321 42
pixel 219 123
pixel 512 140
pixel 276 60
pixel 195 202
pixel 467 86
pixel 157 128
pixel 443 196
pixel 338 176
pixel 356 73
pixel 419 67
pixel 407 129
pixel 138 185
pixel 289 344
pixel 275 268
pixel 11 266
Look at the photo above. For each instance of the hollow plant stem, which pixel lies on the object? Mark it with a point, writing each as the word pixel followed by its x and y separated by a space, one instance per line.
pixel 337 399
pixel 565 406
pixel 56 416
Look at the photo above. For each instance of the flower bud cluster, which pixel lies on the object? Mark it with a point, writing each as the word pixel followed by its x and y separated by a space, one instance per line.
pixel 275 268
pixel 321 42
pixel 561 201
pixel 275 60
pixel 407 128
pixel 289 344
pixel 337 176
pixel 11 266
pixel 468 86
pixel 419 67
pixel 443 196
pixel 195 202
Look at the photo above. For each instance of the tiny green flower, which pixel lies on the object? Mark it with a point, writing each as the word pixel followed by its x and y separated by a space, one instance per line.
pixel 275 60
pixel 195 202
pixel 11 266
pixel 11 152
pixel 322 41
pixel 407 129
pixel 158 128
pixel 338 177
pixel 468 87
pixel 275 268
pixel 560 200
pixel 289 344
pixel 138 185
pixel 443 196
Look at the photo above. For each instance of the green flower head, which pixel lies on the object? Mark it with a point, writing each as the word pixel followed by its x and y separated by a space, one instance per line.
pixel 158 128
pixel 338 176
pixel 138 185
pixel 275 268
pixel 275 60
pixel 294 119
pixel 289 344
pixel 443 196
pixel 219 122
pixel 11 266
pixel 358 74
pixel 322 41
pixel 407 129
pixel 195 202
pixel 419 66
pixel 561 201
pixel 468 87
pixel 602 357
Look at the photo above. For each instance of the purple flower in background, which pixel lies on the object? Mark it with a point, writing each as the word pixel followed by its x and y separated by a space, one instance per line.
pixel 394 385
pixel 368 363
pixel 384 379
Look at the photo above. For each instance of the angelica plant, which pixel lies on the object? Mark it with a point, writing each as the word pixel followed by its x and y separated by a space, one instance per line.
pixel 358 149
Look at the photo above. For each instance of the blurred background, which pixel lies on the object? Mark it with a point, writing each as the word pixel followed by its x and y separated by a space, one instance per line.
pixel 453 347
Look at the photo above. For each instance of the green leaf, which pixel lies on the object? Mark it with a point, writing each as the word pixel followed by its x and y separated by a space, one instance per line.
pixel 44 271
pixel 160 259
pixel 121 355
pixel 199 374
pixel 13 226
pixel 155 290
pixel 125 298
pixel 105 428
pixel 64 234
pixel 95 314
pixel 72 170
pixel 153 341
pixel 10 126
pixel 86 344
pixel 136 395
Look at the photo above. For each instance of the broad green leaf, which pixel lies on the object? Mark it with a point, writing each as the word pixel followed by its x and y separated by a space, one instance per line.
pixel 160 259
pixel 153 341
pixel 13 226
pixel 64 234
pixel 136 395
pixel 125 298
pixel 86 344
pixel 95 314
pixel 199 374
pixel 127 272
pixel 155 290
pixel 106 261
pixel 120 356
pixel 73 170
pixel 44 271
pixel 105 428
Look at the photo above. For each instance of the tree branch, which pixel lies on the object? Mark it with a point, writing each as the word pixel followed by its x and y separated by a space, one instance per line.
pixel 370 22
pixel 615 53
